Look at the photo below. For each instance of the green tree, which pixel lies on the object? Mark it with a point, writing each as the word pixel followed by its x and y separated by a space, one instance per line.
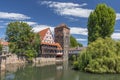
pixel 80 45
pixel 0 47
pixel 101 56
pixel 22 39
pixel 101 22
pixel 74 43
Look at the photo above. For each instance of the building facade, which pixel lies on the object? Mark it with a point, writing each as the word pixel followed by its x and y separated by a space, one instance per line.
pixel 48 47
pixel 5 47
pixel 62 36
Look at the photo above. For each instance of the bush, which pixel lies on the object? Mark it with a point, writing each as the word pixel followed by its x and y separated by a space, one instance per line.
pixel 75 65
pixel 30 54
pixel 101 56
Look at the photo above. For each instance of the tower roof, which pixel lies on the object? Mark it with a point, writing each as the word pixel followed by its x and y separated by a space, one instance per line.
pixel 43 32
pixel 63 26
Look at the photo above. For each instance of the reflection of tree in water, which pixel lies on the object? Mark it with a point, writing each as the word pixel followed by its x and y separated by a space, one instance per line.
pixel 36 73
pixel 89 76
pixel 54 72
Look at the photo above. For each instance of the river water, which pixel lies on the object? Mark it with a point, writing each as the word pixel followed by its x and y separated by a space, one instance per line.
pixel 52 72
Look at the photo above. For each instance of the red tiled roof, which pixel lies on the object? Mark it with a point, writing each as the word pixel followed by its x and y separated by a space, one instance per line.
pixel 4 43
pixel 42 33
pixel 59 46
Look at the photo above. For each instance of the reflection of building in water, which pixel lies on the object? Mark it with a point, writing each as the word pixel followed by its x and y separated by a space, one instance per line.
pixel 2 75
pixel 48 72
pixel 65 65
pixel 62 71
pixel 59 67
pixel 8 73
pixel 14 67
pixel 59 71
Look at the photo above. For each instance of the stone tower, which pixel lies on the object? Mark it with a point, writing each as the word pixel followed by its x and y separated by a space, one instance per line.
pixel 62 36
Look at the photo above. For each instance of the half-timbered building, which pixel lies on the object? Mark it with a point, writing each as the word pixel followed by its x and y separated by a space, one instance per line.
pixel 48 47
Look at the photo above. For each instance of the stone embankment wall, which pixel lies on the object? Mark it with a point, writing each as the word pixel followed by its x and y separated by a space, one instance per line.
pixel 44 61
pixel 14 59
pixel 40 61
pixel 11 59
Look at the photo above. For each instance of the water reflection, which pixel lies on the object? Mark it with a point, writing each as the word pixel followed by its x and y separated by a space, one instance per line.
pixel 52 72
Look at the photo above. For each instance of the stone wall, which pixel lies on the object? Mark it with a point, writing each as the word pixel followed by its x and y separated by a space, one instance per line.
pixel 39 61
pixel 14 59
pixel 10 59
pixel 44 61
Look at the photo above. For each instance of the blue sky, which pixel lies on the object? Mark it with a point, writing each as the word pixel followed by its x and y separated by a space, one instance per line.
pixel 41 14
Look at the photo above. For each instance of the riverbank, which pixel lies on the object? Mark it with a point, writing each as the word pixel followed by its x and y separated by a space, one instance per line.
pixel 44 61
pixel 10 59
pixel 13 59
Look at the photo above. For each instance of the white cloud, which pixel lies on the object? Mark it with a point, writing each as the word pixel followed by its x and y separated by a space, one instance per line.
pixel 118 16
pixel 69 9
pixel 79 30
pixel 72 19
pixel 80 39
pixel 30 23
pixel 73 30
pixel 38 28
pixel 59 4
pixel 116 36
pixel 13 16
pixel 76 12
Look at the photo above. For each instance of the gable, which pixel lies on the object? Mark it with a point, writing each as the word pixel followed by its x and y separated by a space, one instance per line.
pixel 42 33
pixel 48 38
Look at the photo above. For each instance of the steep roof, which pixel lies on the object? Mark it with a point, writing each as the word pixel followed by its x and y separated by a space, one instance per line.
pixel 4 43
pixel 59 46
pixel 43 32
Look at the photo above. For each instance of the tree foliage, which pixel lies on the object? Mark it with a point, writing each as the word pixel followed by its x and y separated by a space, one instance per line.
pixel 101 56
pixel 74 43
pixel 101 22
pixel 22 39
pixel 0 47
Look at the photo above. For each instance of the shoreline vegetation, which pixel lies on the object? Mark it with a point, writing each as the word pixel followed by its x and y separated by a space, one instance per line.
pixel 102 54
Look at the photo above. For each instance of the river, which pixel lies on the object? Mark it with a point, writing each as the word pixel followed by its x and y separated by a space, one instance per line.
pixel 52 72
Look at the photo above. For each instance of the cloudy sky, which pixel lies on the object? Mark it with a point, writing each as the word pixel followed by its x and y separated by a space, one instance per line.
pixel 41 14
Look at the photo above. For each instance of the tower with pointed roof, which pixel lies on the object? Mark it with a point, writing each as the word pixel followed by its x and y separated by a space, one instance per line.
pixel 62 36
